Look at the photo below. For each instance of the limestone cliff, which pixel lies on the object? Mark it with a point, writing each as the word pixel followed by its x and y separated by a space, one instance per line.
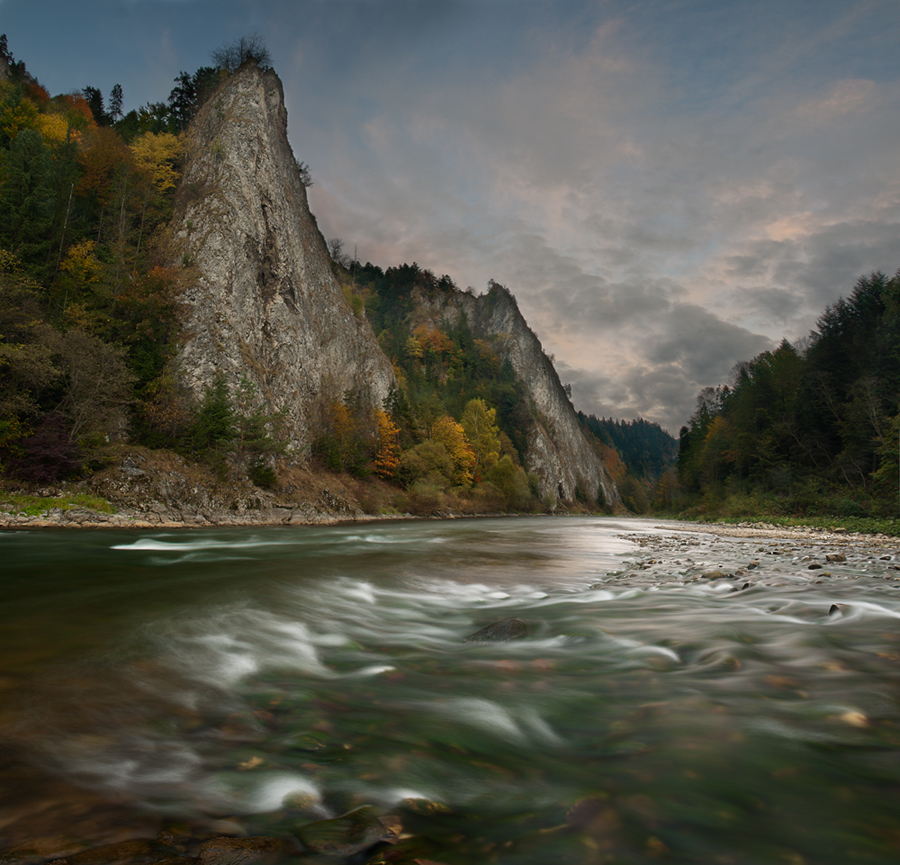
pixel 558 452
pixel 264 303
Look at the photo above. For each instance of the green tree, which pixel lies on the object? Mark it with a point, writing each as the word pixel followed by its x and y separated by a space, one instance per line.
pixel 94 99
pixel 26 362
pixel 479 425
pixel 214 426
pixel 27 202
pixel 115 103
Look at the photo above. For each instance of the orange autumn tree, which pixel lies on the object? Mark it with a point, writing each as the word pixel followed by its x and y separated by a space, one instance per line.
pixel 346 440
pixel 387 455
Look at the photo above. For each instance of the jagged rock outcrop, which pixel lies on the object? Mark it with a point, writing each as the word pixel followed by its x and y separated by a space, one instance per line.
pixel 264 303
pixel 558 452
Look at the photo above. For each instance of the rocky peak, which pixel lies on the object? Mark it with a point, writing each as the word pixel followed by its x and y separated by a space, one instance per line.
pixel 264 304
pixel 558 451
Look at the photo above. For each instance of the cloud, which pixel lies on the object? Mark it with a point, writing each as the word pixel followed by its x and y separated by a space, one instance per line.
pixel 665 188
pixel 844 97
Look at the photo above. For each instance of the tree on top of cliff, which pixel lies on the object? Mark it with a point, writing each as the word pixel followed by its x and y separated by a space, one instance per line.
pixel 246 49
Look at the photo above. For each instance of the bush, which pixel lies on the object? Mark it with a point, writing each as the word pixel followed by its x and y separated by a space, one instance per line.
pixel 511 483
pixel 48 455
pixel 424 498
pixel 261 473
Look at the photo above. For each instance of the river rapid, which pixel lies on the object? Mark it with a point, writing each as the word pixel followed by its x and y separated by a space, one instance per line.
pixel 679 696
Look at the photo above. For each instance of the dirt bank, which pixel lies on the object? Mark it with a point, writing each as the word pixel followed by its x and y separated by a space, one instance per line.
pixel 155 489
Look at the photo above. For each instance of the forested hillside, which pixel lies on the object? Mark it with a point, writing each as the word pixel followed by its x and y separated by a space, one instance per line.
pixel 460 411
pixel 91 278
pixel 809 428
pixel 87 303
pixel 642 457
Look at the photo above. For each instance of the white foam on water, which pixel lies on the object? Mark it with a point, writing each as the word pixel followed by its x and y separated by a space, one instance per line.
pixel 484 715
pixel 294 646
pixel 272 791
pixel 394 795
pixel 662 651
pixel 182 546
pixel 540 728
pixel 860 609
pixel 160 764
pixel 357 590
pixel 374 670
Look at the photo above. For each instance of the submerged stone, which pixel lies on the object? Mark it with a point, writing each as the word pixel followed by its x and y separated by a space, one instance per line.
pixel 350 833
pixel 135 852
pixel 240 851
pixel 500 632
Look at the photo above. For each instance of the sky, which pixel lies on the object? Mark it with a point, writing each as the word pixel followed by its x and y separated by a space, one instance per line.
pixel 668 187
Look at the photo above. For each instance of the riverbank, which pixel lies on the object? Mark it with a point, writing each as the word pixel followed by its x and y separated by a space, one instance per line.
pixel 147 489
pixel 728 558
pixel 157 490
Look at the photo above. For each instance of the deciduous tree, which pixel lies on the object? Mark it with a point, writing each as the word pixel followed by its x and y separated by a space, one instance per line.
pixel 452 436
pixel 483 434
pixel 387 454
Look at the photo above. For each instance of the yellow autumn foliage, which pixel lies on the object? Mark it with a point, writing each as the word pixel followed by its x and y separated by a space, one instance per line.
pixel 81 263
pixel 451 435
pixel 53 127
pixel 155 154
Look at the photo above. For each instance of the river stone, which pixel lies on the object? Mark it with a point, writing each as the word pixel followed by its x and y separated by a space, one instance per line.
pixel 240 851
pixel 500 632
pixel 715 575
pixel 348 834
pixel 136 852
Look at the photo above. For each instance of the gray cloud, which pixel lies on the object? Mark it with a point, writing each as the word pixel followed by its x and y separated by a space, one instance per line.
pixel 666 189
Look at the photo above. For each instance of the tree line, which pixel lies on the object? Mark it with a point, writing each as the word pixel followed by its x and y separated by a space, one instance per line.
pixel 809 427
pixel 88 289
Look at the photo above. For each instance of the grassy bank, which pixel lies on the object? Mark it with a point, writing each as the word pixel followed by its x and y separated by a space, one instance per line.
pixel 34 505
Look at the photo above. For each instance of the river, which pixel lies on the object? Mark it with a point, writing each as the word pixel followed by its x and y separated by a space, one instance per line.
pixel 679 697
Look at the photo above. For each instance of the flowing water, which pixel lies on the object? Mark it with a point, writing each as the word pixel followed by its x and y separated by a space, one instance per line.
pixel 278 676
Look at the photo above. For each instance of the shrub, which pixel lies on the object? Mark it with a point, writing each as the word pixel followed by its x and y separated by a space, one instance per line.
pixel 48 455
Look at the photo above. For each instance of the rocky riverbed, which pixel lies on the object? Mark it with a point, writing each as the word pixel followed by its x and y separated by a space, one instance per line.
pixel 738 557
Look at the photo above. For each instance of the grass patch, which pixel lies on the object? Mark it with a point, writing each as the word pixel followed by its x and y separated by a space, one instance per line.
pixel 35 506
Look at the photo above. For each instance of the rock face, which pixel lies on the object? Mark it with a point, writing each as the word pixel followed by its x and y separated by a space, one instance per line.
pixel 264 304
pixel 558 452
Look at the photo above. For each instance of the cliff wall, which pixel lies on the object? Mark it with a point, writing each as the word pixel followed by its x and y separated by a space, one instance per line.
pixel 264 303
pixel 558 451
